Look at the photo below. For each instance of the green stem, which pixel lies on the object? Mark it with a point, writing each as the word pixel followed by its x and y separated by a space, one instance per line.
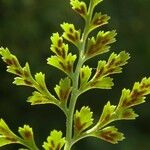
pixel 74 96
pixel 75 80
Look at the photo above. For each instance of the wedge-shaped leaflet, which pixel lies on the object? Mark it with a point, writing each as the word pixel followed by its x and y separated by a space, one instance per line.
pixel 63 89
pixel 127 114
pixel 66 65
pixel 80 7
pixel 99 20
pixel 27 135
pixel 101 44
pixel 11 60
pixel 58 46
pixel 125 96
pixel 107 114
pixel 117 60
pixel 136 96
pixel 38 98
pixel 6 135
pixel 83 119
pixel 85 73
pixel 55 141
pixel 143 86
pixel 40 80
pixel 26 132
pixel 112 66
pixel 71 34
pixel 102 83
pixel 110 134
pixel 26 77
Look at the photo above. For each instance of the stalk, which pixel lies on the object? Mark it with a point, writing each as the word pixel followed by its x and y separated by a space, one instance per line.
pixel 75 80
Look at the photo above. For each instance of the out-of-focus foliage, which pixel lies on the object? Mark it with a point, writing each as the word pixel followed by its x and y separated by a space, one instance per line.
pixel 26 26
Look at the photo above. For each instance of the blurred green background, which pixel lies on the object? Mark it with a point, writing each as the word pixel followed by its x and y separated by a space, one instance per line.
pixel 25 28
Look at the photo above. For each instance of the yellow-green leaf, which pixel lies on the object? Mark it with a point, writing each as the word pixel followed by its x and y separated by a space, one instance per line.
pixel 26 132
pixel 65 65
pixel 71 34
pixel 83 119
pixel 107 114
pixel 80 7
pixel 110 134
pixel 13 65
pixel 6 135
pixel 136 96
pixel 101 44
pixel 58 46
pixel 40 79
pixel 127 114
pixel 112 66
pixel 102 83
pixel 99 20
pixel 38 98
pixel 55 141
pixel 63 89
pixel 85 73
